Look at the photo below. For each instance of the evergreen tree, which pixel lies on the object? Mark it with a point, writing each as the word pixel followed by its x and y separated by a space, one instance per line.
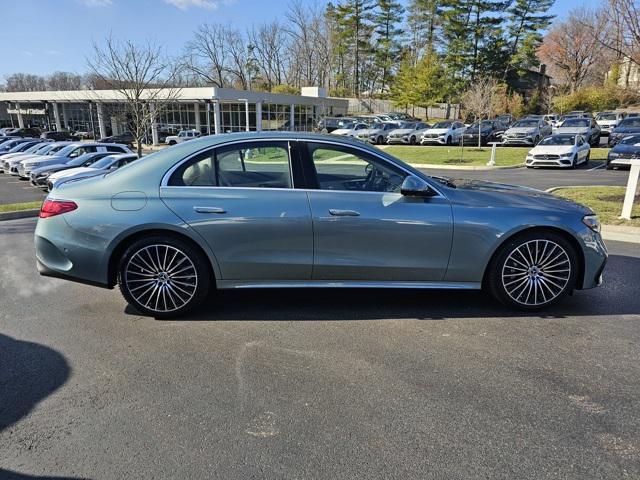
pixel 526 20
pixel 403 92
pixel 424 20
pixel 388 47
pixel 429 80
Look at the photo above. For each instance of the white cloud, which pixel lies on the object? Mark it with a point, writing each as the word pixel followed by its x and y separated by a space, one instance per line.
pixel 27 53
pixel 96 3
pixel 185 4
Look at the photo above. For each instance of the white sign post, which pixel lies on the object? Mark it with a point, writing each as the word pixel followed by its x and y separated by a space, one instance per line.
pixel 492 161
pixel 632 186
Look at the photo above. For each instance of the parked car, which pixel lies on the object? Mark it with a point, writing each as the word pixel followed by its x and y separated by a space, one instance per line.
pixel 607 121
pixel 125 138
pixel 350 129
pixel 447 132
pixel 11 161
pixel 17 148
pixel 171 226
pixel 402 117
pixel 69 152
pixel 527 131
pixel 551 118
pixel 506 119
pixel 377 132
pixel 182 136
pixel 408 133
pixel 329 124
pixel 627 126
pixel 559 150
pixel 587 127
pixel 6 147
pixel 6 138
pixel 107 164
pixel 24 132
pixel 57 136
pixel 626 149
pixel 39 175
pixel 489 131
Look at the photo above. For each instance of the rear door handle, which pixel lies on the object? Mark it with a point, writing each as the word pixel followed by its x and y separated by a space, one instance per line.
pixel 343 213
pixel 209 210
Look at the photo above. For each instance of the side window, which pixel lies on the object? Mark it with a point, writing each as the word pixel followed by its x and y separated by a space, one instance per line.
pixel 344 168
pixel 249 165
pixel 114 148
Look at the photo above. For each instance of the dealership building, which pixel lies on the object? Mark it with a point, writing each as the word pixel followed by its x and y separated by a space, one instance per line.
pixel 206 109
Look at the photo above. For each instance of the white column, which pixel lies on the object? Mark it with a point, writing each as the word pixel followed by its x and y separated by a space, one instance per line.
pixel 292 117
pixel 258 116
pixel 64 116
pixel 114 125
pixel 208 118
pixel 154 124
pixel 196 110
pixel 102 127
pixel 246 115
pixel 56 116
pixel 632 186
pixel 216 118
pixel 20 119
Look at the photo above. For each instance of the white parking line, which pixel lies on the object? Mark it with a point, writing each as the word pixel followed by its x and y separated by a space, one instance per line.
pixel 596 168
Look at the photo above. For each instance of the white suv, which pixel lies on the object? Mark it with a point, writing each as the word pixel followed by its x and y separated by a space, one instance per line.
pixel 443 133
pixel 183 136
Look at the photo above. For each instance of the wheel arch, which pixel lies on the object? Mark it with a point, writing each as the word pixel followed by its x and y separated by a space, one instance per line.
pixel 573 241
pixel 128 239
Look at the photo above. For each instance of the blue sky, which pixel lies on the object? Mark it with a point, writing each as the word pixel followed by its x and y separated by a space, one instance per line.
pixel 41 36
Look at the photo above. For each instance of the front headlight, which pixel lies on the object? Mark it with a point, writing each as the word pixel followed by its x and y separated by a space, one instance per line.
pixel 592 221
pixel 566 155
pixel 614 154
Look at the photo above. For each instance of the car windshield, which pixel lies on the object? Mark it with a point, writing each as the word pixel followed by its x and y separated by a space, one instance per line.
pixel 376 126
pixel 104 163
pixel 347 125
pixel 485 124
pixel 35 148
pixel 634 139
pixel 630 122
pixel 65 151
pixel 407 125
pixel 559 140
pixel 21 147
pixel 442 125
pixel 76 162
pixel 576 122
pixel 606 116
pixel 526 123
pixel 55 149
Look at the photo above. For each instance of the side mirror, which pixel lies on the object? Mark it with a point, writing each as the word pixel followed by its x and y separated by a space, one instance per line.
pixel 416 187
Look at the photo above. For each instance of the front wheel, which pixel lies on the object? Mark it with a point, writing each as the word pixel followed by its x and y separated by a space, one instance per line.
pixel 412 140
pixel 533 271
pixel 163 277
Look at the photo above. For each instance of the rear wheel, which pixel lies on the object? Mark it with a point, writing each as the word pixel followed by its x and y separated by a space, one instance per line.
pixel 412 140
pixel 163 277
pixel 533 271
pixel 380 140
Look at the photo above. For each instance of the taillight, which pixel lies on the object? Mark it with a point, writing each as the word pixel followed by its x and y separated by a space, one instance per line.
pixel 51 208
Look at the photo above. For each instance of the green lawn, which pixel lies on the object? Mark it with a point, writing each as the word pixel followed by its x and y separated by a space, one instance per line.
pixel 455 155
pixel 16 207
pixel 605 201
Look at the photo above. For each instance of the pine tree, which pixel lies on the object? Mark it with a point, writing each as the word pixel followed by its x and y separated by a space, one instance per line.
pixel 424 20
pixel 526 20
pixel 388 46
pixel 403 92
pixel 429 80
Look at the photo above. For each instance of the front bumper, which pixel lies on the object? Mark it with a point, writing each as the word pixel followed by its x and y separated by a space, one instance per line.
pixel 548 162
pixel 432 140
pixel 595 259
pixel 528 141
pixel 398 140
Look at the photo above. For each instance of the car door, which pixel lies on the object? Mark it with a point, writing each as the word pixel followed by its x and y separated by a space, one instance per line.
pixel 240 198
pixel 364 228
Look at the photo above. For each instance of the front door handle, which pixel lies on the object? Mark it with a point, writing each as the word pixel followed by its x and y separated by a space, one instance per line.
pixel 343 213
pixel 209 210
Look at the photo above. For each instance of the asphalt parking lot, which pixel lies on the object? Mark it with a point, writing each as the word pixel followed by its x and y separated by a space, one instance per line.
pixel 14 190
pixel 317 384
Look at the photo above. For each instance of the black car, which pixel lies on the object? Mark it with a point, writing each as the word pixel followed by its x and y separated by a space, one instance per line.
pixel 627 126
pixel 26 132
pixel 329 124
pixel 626 149
pixel 56 136
pixel 489 130
pixel 125 138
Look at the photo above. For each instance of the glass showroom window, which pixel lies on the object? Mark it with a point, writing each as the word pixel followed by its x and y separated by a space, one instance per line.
pixel 275 116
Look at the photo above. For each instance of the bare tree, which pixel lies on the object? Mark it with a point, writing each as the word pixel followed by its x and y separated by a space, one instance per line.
pixel 25 82
pixel 143 78
pixel 206 55
pixel 64 81
pixel 270 45
pixel 571 49
pixel 480 100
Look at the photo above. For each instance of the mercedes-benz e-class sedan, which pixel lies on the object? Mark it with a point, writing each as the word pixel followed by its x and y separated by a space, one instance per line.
pixel 279 209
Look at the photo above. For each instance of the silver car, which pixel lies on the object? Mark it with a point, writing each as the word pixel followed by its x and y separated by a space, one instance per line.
pixel 409 133
pixel 527 131
pixel 377 133
pixel 100 167
pixel 586 127
pixel 291 210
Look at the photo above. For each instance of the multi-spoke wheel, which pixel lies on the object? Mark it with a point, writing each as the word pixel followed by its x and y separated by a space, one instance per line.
pixel 163 277
pixel 533 271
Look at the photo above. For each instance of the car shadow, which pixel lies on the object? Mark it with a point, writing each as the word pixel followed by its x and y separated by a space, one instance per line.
pixel 617 296
pixel 29 373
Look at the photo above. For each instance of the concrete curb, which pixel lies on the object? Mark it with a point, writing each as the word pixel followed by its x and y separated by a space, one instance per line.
pixel 20 214
pixel 464 167
pixel 621 233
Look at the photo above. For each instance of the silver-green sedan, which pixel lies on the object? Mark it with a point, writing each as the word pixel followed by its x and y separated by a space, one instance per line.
pixel 289 210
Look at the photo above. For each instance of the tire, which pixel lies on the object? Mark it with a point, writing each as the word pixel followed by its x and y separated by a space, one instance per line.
pixel 412 140
pixel 380 140
pixel 551 271
pixel 448 141
pixel 536 140
pixel 574 161
pixel 587 158
pixel 172 142
pixel 163 290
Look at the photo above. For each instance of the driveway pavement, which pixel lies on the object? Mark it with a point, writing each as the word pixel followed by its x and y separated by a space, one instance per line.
pixel 317 384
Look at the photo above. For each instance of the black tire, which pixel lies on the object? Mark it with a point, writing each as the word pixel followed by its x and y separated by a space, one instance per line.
pixel 502 270
pixel 536 140
pixel 586 160
pixel 136 271
pixel 448 141
pixel 412 140
pixel 380 140
pixel 172 142
pixel 574 161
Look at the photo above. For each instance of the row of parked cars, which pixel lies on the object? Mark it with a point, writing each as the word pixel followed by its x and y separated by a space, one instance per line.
pixel 47 163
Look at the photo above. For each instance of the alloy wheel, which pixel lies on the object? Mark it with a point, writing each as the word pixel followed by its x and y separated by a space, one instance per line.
pixel 536 272
pixel 161 278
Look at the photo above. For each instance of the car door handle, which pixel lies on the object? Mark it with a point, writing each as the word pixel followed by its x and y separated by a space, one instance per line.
pixel 343 213
pixel 209 210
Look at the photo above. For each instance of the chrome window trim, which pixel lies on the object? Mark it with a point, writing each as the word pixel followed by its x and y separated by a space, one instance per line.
pixel 165 179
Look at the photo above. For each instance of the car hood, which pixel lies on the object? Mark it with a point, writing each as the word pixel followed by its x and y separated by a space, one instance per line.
pixel 521 130
pixel 499 194
pixel 370 131
pixel 622 148
pixel 18 158
pixel 551 149
pixel 437 130
pixel 626 130
pixel 50 168
pixel 73 171
pixel 42 160
pixel 606 123
pixel 11 156
pixel 401 131
pixel 343 131
pixel 572 130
